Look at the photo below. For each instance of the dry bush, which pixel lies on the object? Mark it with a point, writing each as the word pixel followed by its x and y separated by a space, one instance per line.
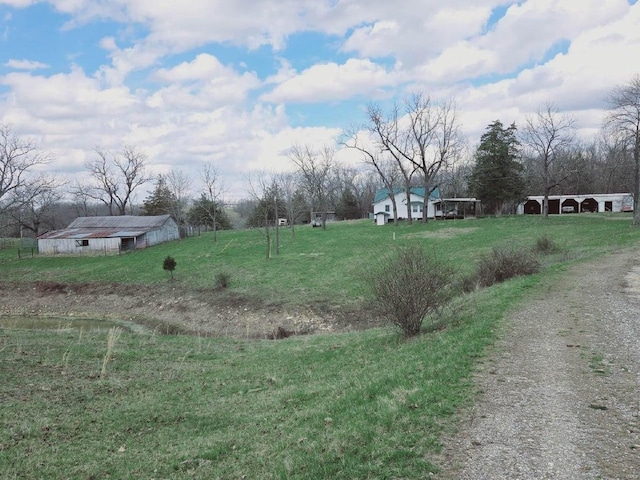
pixel 546 245
pixel 505 262
pixel 222 280
pixel 408 285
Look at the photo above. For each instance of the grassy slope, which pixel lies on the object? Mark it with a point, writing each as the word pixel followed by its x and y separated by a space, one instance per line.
pixel 317 264
pixel 360 405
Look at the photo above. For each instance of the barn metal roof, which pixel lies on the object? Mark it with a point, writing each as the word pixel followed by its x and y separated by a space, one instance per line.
pixel 108 227
pixel 121 222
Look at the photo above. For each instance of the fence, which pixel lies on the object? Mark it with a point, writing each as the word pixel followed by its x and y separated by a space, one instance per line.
pixel 26 247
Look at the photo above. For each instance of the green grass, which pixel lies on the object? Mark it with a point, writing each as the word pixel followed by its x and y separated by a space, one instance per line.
pixel 320 265
pixel 360 405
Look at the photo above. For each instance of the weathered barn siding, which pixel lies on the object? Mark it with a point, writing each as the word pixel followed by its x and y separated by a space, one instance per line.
pixel 109 234
pixel 166 233
pixel 71 245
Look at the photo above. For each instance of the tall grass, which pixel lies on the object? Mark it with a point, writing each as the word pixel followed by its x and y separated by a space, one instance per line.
pixel 112 338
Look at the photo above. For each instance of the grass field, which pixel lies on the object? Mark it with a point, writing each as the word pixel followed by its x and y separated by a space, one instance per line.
pixel 359 405
pixel 319 265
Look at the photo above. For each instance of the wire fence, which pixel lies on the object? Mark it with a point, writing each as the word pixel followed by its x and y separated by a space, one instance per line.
pixel 25 247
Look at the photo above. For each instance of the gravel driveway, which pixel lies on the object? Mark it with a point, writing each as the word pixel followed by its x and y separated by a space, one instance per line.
pixel 559 397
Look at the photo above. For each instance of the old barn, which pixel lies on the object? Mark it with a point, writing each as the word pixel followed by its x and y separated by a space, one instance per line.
pixel 109 234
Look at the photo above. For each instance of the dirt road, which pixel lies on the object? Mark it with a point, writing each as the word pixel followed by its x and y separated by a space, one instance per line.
pixel 559 398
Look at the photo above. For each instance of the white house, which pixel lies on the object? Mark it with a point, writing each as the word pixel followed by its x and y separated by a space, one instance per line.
pixel 597 202
pixel 383 207
pixel 109 234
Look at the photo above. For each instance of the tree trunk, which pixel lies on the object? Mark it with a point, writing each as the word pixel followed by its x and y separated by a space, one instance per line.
pixel 408 195
pixel 394 207
pixel 636 182
pixel 425 203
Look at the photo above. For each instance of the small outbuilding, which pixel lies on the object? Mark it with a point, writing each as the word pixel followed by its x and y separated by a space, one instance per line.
pixel 591 203
pixel 109 234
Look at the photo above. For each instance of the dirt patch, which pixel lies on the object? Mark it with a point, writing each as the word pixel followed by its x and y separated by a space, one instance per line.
pixel 174 310
pixel 444 233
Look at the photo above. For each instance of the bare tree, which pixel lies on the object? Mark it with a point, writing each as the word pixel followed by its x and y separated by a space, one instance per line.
pixel 36 204
pixel 548 135
pixel 385 167
pixel 18 159
pixel 315 168
pixel 116 176
pixel 422 139
pixel 84 200
pixel 214 190
pixel 264 190
pixel 615 162
pixel 434 141
pixel 393 141
pixel 291 197
pixel 624 117
pixel 178 183
pixel 364 184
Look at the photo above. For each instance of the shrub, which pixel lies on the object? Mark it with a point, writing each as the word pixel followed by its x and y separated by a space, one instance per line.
pixel 505 262
pixel 408 285
pixel 169 264
pixel 545 245
pixel 222 279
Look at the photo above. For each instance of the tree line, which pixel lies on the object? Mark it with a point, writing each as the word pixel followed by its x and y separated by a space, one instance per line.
pixel 415 142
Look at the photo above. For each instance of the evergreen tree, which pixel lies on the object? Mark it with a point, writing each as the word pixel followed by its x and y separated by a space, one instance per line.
pixel 348 208
pixel 204 211
pixel 497 178
pixel 264 211
pixel 161 200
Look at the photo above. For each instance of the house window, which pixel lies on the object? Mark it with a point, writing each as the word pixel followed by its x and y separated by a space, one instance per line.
pixel 82 243
pixel 387 208
pixel 415 208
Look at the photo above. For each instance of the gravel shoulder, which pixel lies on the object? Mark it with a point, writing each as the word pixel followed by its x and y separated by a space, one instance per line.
pixel 558 397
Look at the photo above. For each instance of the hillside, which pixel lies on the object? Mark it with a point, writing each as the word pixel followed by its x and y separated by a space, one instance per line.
pixel 315 282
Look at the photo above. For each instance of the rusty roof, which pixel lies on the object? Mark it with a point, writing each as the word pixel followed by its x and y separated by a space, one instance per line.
pixel 81 233
pixel 125 226
pixel 121 222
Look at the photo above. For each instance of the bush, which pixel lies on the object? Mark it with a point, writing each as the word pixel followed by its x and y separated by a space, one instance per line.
pixel 545 245
pixel 222 279
pixel 505 262
pixel 169 264
pixel 409 285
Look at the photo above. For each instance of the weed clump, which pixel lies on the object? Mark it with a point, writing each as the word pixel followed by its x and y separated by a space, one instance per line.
pixel 546 245
pixel 409 285
pixel 505 262
pixel 222 280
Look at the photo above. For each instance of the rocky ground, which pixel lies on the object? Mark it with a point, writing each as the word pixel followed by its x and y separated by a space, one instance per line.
pixel 171 309
pixel 559 397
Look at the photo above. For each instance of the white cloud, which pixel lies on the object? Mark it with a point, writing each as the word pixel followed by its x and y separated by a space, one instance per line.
pixel 328 82
pixel 25 65
pixel 204 108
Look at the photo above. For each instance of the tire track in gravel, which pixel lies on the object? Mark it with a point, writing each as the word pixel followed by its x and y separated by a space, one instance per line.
pixel 559 398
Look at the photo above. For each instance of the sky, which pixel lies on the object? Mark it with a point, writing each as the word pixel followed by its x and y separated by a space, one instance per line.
pixel 236 83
